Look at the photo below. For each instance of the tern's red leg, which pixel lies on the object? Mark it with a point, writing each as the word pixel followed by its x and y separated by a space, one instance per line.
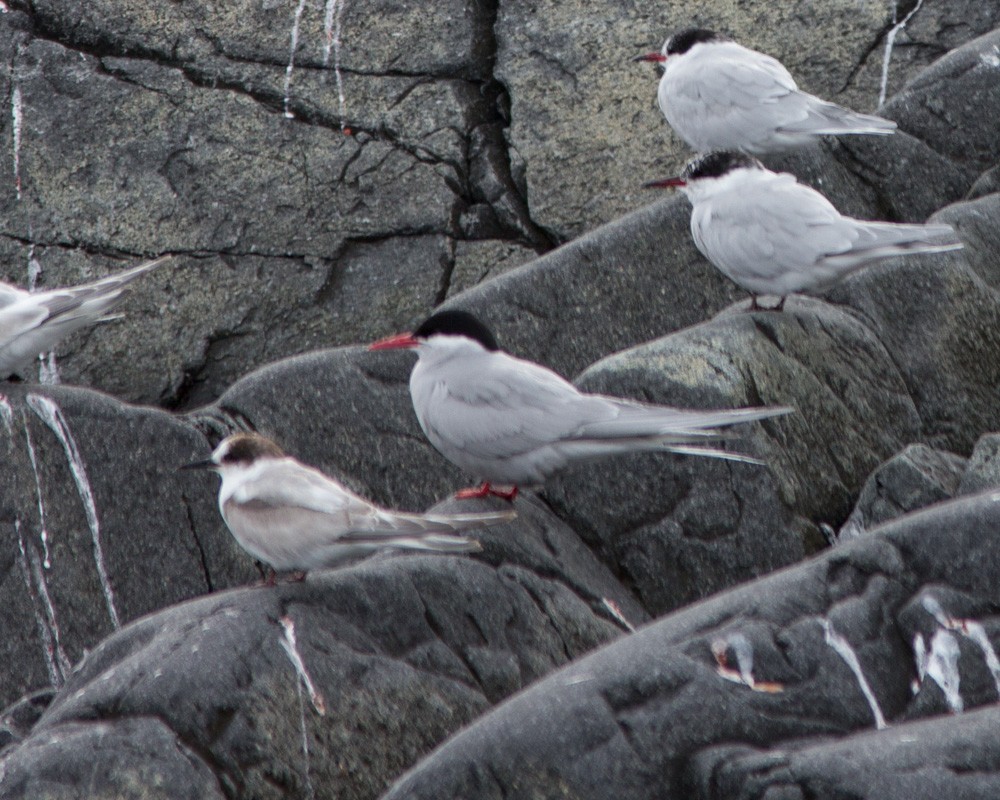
pixel 474 492
pixel 272 576
pixel 298 576
pixel 485 490
pixel 755 306
pixel 505 495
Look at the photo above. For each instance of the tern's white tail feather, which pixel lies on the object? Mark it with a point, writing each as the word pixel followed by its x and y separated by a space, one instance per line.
pixel 432 527
pixel 829 119
pixel 886 239
pixel 673 425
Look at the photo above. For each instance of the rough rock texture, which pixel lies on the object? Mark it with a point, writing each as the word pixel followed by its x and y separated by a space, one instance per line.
pixel 329 687
pixel 952 120
pixel 676 528
pixel 98 527
pixel 915 478
pixel 329 172
pixel 301 153
pixel 765 665
pixel 983 470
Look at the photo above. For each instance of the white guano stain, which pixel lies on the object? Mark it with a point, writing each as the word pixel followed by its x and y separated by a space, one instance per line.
pixel 843 648
pixel 290 646
pixel 890 41
pixel 291 58
pixel 47 411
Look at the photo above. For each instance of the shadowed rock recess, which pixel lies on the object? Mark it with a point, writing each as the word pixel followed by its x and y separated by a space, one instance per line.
pixel 327 173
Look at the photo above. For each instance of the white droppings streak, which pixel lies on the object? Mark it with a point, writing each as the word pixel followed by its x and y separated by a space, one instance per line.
pixel 942 668
pixel 34 269
pixel 48 370
pixel 890 40
pixel 51 415
pixel 56 662
pixel 991 59
pixel 332 41
pixel 17 117
pixel 843 648
pixel 291 649
pixel 291 58
pixel 44 535
pixel 6 414
pixel 977 633
pixel 310 791
pixel 615 611
pixel 970 629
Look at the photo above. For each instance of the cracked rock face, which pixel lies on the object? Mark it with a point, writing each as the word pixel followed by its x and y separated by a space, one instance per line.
pixel 300 153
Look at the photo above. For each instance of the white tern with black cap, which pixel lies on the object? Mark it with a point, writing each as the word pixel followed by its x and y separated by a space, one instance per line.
pixel 774 236
pixel 719 95
pixel 514 423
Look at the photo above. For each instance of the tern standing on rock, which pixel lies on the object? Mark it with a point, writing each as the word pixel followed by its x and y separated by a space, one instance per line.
pixel 35 322
pixel 295 518
pixel 719 95
pixel 770 234
pixel 514 423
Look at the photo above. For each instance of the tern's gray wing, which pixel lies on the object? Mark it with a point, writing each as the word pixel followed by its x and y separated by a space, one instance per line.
pixel 725 96
pixel 499 406
pixel 286 483
pixel 776 243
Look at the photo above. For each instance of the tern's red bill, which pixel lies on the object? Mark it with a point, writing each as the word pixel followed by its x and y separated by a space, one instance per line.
pixel 666 183
pixel 400 341
pixel 659 58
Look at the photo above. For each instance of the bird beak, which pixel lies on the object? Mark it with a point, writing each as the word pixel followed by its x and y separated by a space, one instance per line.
pixel 400 341
pixel 659 58
pixel 666 183
pixel 206 464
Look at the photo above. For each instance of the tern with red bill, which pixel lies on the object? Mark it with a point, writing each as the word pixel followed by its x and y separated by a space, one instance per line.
pixel 295 518
pixel 718 95
pixel 34 322
pixel 513 423
pixel 773 236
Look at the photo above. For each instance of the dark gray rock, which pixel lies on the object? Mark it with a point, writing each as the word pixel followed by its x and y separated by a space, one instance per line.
pixel 983 469
pixel 393 655
pixel 656 714
pixel 683 528
pixel 99 528
pixel 912 479
pixel 641 276
pixel 946 757
pixel 952 104
pixel 939 318
pixel 987 183
pixel 140 130
pixel 128 759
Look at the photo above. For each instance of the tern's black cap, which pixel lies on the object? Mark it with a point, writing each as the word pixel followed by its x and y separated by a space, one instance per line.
pixel 718 163
pixel 246 448
pixel 457 323
pixel 684 40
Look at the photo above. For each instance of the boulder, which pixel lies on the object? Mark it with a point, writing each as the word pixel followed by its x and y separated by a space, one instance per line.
pixel 328 687
pixel 99 527
pixel 681 528
pixel 957 120
pixel 983 469
pixel 912 479
pixel 888 628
